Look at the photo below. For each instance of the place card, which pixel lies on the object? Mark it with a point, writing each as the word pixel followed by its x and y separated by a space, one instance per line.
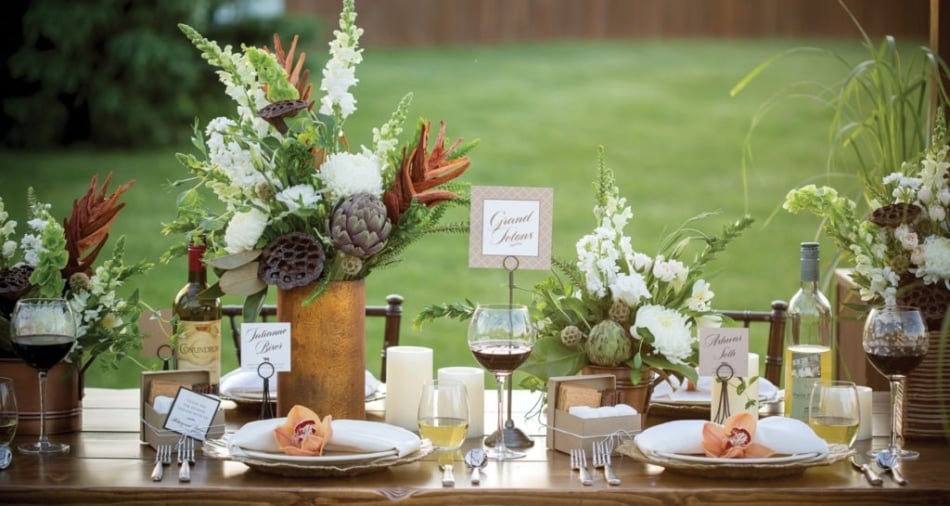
pixel 265 342
pixel 723 352
pixel 509 222
pixel 192 414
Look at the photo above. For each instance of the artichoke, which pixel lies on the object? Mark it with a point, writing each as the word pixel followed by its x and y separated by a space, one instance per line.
pixel 359 225
pixel 608 344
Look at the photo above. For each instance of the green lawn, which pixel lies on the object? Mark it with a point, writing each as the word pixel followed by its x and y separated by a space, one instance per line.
pixel 662 110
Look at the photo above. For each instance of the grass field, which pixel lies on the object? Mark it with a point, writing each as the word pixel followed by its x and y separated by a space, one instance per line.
pixel 662 110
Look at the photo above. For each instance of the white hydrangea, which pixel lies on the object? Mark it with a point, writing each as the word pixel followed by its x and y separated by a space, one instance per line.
pixel 244 229
pixel 346 174
pixel 670 329
pixel 936 260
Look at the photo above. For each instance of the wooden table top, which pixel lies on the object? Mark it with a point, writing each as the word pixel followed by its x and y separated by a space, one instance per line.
pixel 108 464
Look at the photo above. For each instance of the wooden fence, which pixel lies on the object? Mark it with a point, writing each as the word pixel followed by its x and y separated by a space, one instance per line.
pixel 437 22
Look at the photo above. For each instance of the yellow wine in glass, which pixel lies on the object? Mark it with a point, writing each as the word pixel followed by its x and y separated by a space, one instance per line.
pixel 443 415
pixel 834 413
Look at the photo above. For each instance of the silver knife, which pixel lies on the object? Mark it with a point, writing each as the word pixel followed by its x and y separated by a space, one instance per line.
pixel 872 477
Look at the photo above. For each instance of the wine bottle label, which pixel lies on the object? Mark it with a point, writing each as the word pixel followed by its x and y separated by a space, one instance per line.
pixel 808 365
pixel 199 347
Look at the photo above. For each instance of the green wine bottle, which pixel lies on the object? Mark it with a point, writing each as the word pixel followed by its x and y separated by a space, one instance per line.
pixel 198 321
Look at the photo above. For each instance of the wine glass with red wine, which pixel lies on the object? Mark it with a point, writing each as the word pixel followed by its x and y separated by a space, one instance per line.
pixel 43 332
pixel 895 341
pixel 500 337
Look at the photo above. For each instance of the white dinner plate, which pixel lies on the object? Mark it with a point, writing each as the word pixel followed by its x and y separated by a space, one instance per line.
pixel 329 459
pixel 702 459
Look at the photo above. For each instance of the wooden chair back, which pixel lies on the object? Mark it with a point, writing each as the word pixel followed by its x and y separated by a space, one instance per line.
pixel 392 312
pixel 776 344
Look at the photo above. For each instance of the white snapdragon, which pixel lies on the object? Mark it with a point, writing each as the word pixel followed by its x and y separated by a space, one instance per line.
pixel 339 74
pixel 670 329
pixel 346 174
pixel 244 230
pixel 669 270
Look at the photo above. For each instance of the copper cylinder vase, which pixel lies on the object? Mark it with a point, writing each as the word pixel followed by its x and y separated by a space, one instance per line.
pixel 328 343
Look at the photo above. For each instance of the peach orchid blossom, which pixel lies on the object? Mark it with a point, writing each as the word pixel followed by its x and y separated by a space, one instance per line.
pixel 734 440
pixel 304 434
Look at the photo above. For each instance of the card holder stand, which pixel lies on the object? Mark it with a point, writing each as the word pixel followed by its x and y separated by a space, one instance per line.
pixel 152 429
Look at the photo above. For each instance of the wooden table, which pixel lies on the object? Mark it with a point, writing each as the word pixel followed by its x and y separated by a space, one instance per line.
pixel 108 464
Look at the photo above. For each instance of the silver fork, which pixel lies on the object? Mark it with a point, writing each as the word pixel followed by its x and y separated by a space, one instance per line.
pixel 602 459
pixel 163 457
pixel 579 462
pixel 186 455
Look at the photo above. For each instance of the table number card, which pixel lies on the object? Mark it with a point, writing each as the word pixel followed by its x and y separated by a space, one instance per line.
pixel 192 414
pixel 511 222
pixel 265 342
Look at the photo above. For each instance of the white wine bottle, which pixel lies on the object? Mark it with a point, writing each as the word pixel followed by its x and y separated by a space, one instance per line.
pixel 808 355
pixel 198 321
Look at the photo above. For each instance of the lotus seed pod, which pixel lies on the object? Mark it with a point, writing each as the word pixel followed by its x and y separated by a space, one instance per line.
pixel 571 335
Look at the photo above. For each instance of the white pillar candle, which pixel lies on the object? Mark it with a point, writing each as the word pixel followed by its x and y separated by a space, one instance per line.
pixel 474 380
pixel 407 367
pixel 747 401
pixel 864 402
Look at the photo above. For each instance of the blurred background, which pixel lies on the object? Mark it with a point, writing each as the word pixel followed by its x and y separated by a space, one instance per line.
pixel 112 86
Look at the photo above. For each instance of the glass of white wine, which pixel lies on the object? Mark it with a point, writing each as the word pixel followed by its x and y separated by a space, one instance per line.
pixel 8 420
pixel 443 416
pixel 834 413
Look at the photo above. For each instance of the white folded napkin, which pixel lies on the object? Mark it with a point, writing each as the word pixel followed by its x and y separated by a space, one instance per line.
pixel 349 436
pixel 781 434
pixel 247 383
pixel 703 392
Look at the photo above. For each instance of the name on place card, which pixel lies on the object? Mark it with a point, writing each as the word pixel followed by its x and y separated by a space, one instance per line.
pixel 511 222
pixel 192 414
pixel 265 342
pixel 724 346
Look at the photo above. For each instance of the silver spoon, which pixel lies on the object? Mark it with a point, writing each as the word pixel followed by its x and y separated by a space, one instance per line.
pixel 889 462
pixel 476 459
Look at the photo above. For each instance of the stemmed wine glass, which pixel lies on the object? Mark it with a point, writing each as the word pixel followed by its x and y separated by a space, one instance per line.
pixel 500 337
pixel 8 420
pixel 895 341
pixel 43 332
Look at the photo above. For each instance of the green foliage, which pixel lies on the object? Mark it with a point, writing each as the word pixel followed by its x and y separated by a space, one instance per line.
pixel 115 72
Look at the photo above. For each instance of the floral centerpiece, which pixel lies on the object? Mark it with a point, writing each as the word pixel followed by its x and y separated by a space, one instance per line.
pixel 298 204
pixel 53 260
pixel 617 306
pixel 901 250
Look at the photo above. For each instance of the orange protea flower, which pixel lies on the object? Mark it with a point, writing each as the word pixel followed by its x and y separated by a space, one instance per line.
pixel 421 172
pixel 734 440
pixel 304 434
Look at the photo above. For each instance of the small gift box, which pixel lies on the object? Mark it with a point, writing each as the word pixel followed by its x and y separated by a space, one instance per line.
pixel 566 430
pixel 166 384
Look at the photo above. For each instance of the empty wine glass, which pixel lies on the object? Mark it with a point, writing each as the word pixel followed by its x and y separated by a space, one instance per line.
pixel 895 341
pixel 8 420
pixel 500 337
pixel 43 333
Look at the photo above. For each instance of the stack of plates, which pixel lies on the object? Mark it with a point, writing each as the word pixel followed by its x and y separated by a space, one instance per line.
pixel 927 395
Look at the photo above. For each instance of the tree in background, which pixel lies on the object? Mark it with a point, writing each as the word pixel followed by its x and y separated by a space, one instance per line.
pixel 115 72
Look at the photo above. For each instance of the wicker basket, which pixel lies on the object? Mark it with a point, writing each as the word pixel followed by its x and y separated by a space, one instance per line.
pixel 927 394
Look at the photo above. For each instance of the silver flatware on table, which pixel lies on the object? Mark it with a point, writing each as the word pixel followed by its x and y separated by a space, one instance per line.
pixel 186 456
pixel 873 478
pixel 448 475
pixel 475 459
pixel 602 450
pixel 163 457
pixel 579 463
pixel 890 463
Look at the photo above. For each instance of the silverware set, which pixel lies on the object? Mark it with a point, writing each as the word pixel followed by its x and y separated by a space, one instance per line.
pixel 185 448
pixel 579 464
